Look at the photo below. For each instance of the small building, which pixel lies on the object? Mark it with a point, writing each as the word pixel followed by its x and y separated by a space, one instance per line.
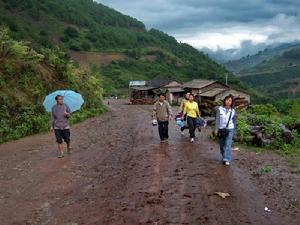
pixel 145 92
pixel 137 83
pixel 198 86
pixel 218 94
pixel 170 86
pixel 140 93
pixel 208 92
pixel 174 92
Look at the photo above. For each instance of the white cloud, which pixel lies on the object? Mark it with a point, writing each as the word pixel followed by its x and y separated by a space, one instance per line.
pixel 224 39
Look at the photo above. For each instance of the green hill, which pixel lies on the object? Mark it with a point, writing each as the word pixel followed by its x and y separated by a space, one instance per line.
pixel 250 61
pixel 86 26
pixel 27 76
pixel 278 77
pixel 37 56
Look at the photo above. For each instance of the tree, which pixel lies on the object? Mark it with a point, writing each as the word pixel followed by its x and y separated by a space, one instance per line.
pixel 71 32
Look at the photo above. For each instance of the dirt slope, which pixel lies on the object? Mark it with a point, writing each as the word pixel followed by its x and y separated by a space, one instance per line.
pixel 97 58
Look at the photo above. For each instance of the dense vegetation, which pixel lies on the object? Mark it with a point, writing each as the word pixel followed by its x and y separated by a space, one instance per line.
pixel 147 63
pixel 250 61
pixel 43 34
pixel 278 127
pixel 274 72
pixel 27 76
pixel 84 25
pixel 277 77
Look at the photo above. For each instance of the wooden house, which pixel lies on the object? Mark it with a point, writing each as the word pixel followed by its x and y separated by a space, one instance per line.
pixel 198 86
pixel 141 93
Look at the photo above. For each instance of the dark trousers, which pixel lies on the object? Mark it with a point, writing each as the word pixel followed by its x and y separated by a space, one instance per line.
pixel 163 129
pixel 192 126
pixel 61 135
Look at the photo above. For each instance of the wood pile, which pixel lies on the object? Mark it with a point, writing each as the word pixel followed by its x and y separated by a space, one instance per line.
pixel 241 103
pixel 208 107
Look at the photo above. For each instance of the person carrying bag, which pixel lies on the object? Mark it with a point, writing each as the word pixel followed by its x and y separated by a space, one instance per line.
pixel 222 133
pixel 191 110
pixel 225 127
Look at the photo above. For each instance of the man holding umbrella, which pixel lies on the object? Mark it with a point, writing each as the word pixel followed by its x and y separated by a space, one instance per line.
pixel 61 104
pixel 60 124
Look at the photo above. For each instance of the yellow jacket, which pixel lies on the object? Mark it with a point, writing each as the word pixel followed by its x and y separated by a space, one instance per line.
pixel 191 109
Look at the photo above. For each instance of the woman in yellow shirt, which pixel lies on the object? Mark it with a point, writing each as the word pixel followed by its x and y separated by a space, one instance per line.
pixel 191 109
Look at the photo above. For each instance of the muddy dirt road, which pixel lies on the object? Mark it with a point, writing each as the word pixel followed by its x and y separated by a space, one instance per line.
pixel 119 173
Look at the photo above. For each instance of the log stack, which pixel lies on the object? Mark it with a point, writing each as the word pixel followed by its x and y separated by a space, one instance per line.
pixel 241 103
pixel 208 107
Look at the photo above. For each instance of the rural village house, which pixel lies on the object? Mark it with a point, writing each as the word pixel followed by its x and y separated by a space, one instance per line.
pixel 207 92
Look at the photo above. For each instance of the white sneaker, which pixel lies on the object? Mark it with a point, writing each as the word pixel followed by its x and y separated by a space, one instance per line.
pixel 182 132
pixel 226 163
pixel 192 140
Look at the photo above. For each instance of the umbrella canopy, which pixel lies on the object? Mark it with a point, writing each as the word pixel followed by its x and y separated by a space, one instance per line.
pixel 73 99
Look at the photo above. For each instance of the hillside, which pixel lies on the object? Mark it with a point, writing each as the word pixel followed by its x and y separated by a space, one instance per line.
pixel 86 26
pixel 246 63
pixel 278 77
pixel 27 76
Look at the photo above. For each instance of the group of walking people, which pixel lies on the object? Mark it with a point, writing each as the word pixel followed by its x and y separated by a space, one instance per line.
pixel 162 113
pixel 189 111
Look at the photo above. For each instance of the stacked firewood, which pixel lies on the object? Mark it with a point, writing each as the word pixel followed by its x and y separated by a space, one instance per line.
pixel 241 103
pixel 208 107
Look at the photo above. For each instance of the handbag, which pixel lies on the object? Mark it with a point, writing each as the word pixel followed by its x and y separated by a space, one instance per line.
pixel 222 133
pixel 200 122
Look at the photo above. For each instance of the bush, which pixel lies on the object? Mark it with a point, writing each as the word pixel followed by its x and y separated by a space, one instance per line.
pixel 85 46
pixel 268 118
pixel 71 32
pixel 267 110
pixel 243 131
pixel 28 77
pixel 75 46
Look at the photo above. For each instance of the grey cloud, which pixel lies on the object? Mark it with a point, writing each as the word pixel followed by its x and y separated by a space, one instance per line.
pixel 247 48
pixel 170 15
pixel 185 18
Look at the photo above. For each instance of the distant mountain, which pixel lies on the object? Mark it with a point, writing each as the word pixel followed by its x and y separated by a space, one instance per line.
pixel 277 76
pixel 220 55
pixel 246 48
pixel 246 63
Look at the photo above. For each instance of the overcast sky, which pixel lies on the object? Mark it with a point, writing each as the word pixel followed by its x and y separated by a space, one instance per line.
pixel 218 24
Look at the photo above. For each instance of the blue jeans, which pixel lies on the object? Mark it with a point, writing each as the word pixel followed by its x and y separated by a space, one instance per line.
pixel 225 145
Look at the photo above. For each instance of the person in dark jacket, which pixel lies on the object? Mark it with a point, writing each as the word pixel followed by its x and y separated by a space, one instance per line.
pixel 60 124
